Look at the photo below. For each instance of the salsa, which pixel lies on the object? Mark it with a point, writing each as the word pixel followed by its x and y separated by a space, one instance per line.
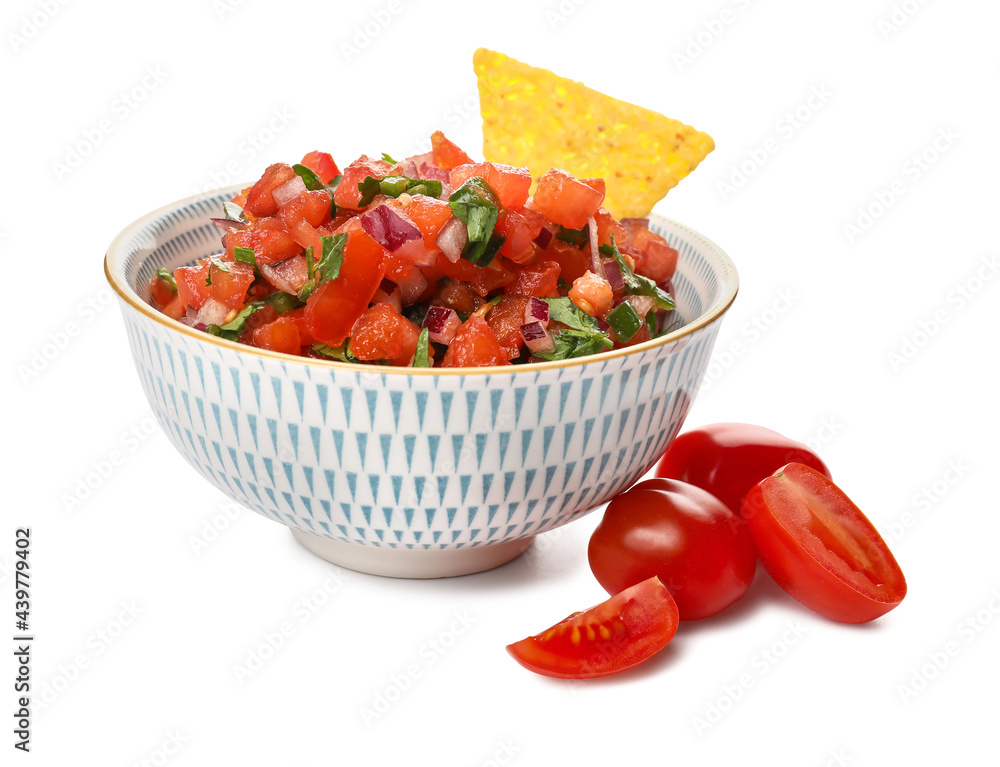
pixel 434 261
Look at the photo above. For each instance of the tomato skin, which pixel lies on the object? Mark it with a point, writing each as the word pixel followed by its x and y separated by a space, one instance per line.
pixel 820 548
pixel 475 345
pixel 683 535
pixel 259 200
pixel 613 636
pixel 727 459
pixel 347 194
pixel 281 335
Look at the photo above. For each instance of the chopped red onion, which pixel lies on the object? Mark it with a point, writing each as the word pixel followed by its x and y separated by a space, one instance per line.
pixel 388 293
pixel 442 324
pixel 537 310
pixel 288 191
pixel 537 338
pixel 417 252
pixel 389 227
pixel 228 223
pixel 452 239
pixel 288 275
pixel 405 168
pixel 544 238
pixel 613 274
pixel 427 169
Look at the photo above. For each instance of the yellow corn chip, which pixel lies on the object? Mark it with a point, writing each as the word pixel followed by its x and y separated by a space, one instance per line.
pixel 533 118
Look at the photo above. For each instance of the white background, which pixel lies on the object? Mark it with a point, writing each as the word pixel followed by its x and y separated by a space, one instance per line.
pixel 876 345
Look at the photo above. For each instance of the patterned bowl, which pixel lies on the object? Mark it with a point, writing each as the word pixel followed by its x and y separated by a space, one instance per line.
pixel 411 472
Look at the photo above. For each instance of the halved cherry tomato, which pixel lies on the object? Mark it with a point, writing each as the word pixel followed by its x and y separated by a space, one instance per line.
pixel 820 548
pixel 727 459
pixel 683 535
pixel 617 634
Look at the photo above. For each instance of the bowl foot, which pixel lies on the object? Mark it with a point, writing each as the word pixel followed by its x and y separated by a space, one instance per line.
pixel 412 563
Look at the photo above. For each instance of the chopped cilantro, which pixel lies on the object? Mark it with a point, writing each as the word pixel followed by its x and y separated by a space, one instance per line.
pixel 246 255
pixel 232 329
pixel 341 353
pixel 576 237
pixel 422 357
pixel 625 321
pixel 309 177
pixel 636 284
pixel 580 337
pixel 167 277
pixel 476 205
pixel 328 265
pixel 389 159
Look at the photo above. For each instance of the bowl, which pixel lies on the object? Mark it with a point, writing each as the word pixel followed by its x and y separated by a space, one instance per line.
pixel 408 472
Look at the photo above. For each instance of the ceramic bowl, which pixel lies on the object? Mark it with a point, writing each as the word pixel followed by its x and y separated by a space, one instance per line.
pixel 411 472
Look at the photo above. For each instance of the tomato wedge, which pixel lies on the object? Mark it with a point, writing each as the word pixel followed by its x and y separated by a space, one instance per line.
pixel 617 634
pixel 820 548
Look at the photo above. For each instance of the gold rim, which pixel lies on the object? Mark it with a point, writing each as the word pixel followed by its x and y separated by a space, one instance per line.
pixel 729 280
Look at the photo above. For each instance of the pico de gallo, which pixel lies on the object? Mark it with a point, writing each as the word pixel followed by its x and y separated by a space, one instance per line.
pixel 434 261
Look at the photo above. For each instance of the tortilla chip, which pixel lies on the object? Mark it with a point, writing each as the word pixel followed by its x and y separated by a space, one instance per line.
pixel 533 118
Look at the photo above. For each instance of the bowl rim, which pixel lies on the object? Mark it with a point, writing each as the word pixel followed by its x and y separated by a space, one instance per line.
pixel 729 283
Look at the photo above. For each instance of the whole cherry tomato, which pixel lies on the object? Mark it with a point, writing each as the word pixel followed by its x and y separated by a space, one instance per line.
pixel 820 548
pixel 683 535
pixel 727 459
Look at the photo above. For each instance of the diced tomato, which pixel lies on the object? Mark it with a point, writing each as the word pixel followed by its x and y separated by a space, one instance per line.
pixel 608 226
pixel 505 320
pixel 161 291
pixel 298 316
pixel 262 316
pixel 381 333
pixel 654 257
pixel 429 214
pixel 282 335
pixel 175 308
pixel 592 294
pixel 573 262
pixel 511 184
pixel 322 165
pixel 269 238
pixel 457 295
pixel 597 184
pixel 191 284
pixel 311 207
pixel 259 200
pixel 565 200
pixel 519 228
pixel 447 154
pixel 335 306
pixel 540 279
pixel 348 195
pixel 475 345
pixel 482 279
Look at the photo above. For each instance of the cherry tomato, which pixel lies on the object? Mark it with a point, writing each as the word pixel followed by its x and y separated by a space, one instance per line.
pixel 727 459
pixel 820 548
pixel 680 534
pixel 615 635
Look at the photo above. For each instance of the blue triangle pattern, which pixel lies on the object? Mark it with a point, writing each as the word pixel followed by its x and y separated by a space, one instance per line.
pixel 451 512
pixel 276 385
pixel 293 435
pixel 346 509
pixel 464 481
pixel 491 512
pixel 314 435
pixel 473 510
pixel 361 438
pixel 252 423
pixel 330 478
pixel 487 484
pixel 446 407
pixel 433 440
pixel 346 395
pixel 299 389
pixel 543 393
pixel 519 393
pixel 549 473
pixel 385 441
pixel 338 443
pixel 371 397
pixel 564 391
pixel 397 485
pixel 408 516
pixel 442 483
pixel 526 436
pixel 567 437
pixel 409 440
pixel 252 463
pixel 418 485
pixel 289 474
pixel 269 468
pixel 569 473
pixel 272 430
pixel 457 440
pixel 216 415
pixel 508 481
pixel 471 397
pixel 373 482
pixel 480 448
pixel 308 472
pixel 421 407
pixel 496 398
pixel 396 400
pixel 547 433
pixel 529 477
pixel 387 511
pixel 234 419
pixel 584 392
pixel 255 383
pixel 352 484
pixel 429 513
pixel 322 393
